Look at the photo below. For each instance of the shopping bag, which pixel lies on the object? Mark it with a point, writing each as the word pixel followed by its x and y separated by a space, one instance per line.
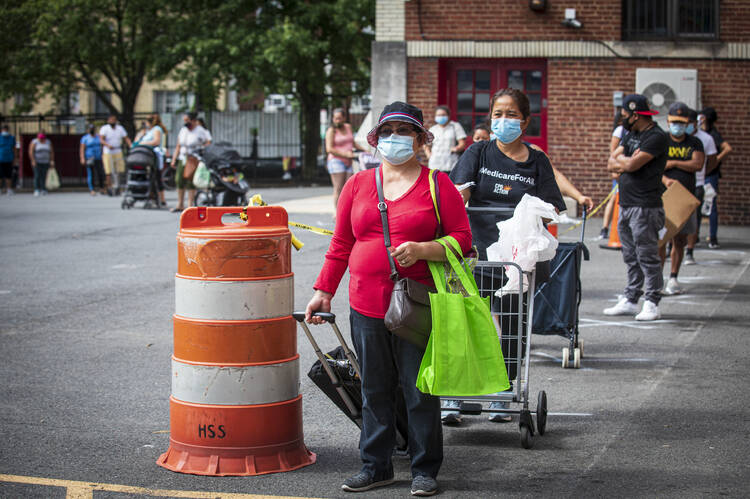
pixel 463 355
pixel 202 176
pixel 52 182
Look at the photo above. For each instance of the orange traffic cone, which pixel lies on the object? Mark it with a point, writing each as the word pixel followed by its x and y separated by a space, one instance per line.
pixel 235 407
pixel 614 238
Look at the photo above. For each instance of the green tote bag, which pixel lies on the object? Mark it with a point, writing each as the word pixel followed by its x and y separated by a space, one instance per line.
pixel 463 355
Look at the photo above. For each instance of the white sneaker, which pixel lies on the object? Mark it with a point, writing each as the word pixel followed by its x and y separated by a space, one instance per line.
pixel 672 288
pixel 36 193
pixel 650 312
pixel 623 307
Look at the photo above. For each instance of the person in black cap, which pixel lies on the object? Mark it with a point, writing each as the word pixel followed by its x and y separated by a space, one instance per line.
pixel 640 161
pixel 358 242
pixel 684 158
pixel 712 177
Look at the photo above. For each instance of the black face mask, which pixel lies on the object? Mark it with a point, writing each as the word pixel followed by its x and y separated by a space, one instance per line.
pixel 627 124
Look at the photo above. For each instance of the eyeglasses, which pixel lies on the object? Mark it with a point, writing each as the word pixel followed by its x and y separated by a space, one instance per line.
pixel 402 130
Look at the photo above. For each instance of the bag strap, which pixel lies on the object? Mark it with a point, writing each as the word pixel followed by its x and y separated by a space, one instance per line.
pixel 470 285
pixel 435 195
pixel 383 209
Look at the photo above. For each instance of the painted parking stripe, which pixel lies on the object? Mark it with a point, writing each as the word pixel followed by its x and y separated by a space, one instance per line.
pixel 85 490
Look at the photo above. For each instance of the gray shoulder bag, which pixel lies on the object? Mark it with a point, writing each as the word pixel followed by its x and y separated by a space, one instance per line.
pixel 408 315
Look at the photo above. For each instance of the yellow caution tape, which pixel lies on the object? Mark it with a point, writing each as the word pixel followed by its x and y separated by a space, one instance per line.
pixel 599 207
pixel 256 200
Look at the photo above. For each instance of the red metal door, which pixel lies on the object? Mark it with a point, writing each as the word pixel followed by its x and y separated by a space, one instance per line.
pixel 468 85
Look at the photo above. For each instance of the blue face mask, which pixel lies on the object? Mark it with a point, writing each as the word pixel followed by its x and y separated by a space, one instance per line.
pixel 506 130
pixel 441 120
pixel 677 129
pixel 690 130
pixel 396 149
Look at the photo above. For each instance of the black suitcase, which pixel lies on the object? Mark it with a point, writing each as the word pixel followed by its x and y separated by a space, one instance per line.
pixel 337 375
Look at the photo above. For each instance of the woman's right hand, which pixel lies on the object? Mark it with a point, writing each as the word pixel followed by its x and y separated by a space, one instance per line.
pixel 320 302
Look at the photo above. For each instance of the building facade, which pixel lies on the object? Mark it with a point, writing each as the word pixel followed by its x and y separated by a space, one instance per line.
pixel 574 59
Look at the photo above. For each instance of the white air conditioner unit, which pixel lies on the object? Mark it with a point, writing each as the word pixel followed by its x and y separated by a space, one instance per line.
pixel 663 87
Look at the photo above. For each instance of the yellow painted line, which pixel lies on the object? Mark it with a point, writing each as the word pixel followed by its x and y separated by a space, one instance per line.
pixel 85 490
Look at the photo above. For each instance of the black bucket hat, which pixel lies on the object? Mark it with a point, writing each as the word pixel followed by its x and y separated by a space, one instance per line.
pixel 399 111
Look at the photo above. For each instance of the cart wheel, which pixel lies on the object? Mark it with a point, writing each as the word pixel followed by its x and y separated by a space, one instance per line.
pixel 527 439
pixel 577 358
pixel 565 357
pixel 580 347
pixel 541 412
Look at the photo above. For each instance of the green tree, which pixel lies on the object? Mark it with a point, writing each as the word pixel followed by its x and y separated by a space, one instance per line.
pixel 318 51
pixel 54 47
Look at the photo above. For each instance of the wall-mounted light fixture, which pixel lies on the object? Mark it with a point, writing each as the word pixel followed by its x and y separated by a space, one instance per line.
pixel 570 19
pixel 538 5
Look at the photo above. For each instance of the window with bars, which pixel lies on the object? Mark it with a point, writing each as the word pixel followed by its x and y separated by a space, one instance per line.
pixel 166 101
pixel 670 20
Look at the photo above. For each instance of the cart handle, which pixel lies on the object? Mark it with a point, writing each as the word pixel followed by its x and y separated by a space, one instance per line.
pixel 326 316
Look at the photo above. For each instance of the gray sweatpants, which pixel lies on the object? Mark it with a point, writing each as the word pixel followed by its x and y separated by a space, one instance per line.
pixel 639 234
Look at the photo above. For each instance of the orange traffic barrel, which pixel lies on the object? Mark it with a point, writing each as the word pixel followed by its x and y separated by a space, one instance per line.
pixel 235 407
pixel 552 229
pixel 614 238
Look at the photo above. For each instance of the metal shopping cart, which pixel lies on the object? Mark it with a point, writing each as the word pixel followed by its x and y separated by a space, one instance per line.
pixel 513 315
pixel 557 300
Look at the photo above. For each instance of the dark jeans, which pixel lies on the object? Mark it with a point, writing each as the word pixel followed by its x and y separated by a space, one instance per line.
pixel 699 216
pixel 95 174
pixel 40 176
pixel 387 360
pixel 713 218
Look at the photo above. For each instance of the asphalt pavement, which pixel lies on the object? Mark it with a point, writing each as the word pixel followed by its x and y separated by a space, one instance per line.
pixel 86 301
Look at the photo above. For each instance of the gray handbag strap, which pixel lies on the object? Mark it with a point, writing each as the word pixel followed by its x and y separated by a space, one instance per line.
pixel 383 209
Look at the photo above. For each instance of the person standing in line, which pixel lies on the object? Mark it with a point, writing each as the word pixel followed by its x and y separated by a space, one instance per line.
pixel 196 138
pixel 502 171
pixel 179 159
pixel 90 152
pixel 112 135
pixel 709 163
pixel 450 141
pixel 684 158
pixel 388 362
pixel 156 138
pixel 712 177
pixel 340 146
pixel 42 156
pixel 481 132
pixel 640 161
pixel 8 157
pixel 617 134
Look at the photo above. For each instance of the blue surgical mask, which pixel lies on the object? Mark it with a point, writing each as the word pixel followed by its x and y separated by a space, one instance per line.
pixel 690 130
pixel 441 120
pixel 396 149
pixel 506 130
pixel 677 129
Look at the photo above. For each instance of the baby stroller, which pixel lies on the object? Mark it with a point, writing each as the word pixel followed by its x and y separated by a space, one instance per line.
pixel 141 178
pixel 227 185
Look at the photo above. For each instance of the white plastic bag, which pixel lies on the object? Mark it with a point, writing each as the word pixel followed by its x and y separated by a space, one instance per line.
pixel 524 240
pixel 201 177
pixel 52 181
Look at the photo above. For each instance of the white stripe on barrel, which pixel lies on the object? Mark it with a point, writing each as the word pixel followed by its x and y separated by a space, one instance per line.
pixel 235 385
pixel 234 300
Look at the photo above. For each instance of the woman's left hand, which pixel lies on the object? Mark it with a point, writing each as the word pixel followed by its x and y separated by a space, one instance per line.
pixel 407 254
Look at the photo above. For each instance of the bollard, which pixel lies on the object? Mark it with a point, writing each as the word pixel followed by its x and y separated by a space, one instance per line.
pixel 235 407
pixel 614 238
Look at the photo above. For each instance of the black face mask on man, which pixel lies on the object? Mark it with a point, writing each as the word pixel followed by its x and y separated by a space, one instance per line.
pixel 627 124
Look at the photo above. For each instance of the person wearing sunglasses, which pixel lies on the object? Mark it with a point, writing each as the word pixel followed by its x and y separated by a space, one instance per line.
pixel 389 363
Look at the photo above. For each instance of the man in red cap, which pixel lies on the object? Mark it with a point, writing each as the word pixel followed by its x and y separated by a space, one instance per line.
pixel 640 160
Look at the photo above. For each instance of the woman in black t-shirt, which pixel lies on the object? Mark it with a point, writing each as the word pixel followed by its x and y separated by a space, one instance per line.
pixel 502 171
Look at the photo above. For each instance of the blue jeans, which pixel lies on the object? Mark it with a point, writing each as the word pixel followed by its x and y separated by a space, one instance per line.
pixel 713 218
pixel 385 361
pixel 40 176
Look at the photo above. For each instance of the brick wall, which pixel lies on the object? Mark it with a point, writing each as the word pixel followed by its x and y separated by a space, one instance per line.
pixel 580 121
pixel 513 20
pixel 580 117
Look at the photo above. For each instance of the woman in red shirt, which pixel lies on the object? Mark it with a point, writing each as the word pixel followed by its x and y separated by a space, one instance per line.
pixel 387 360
